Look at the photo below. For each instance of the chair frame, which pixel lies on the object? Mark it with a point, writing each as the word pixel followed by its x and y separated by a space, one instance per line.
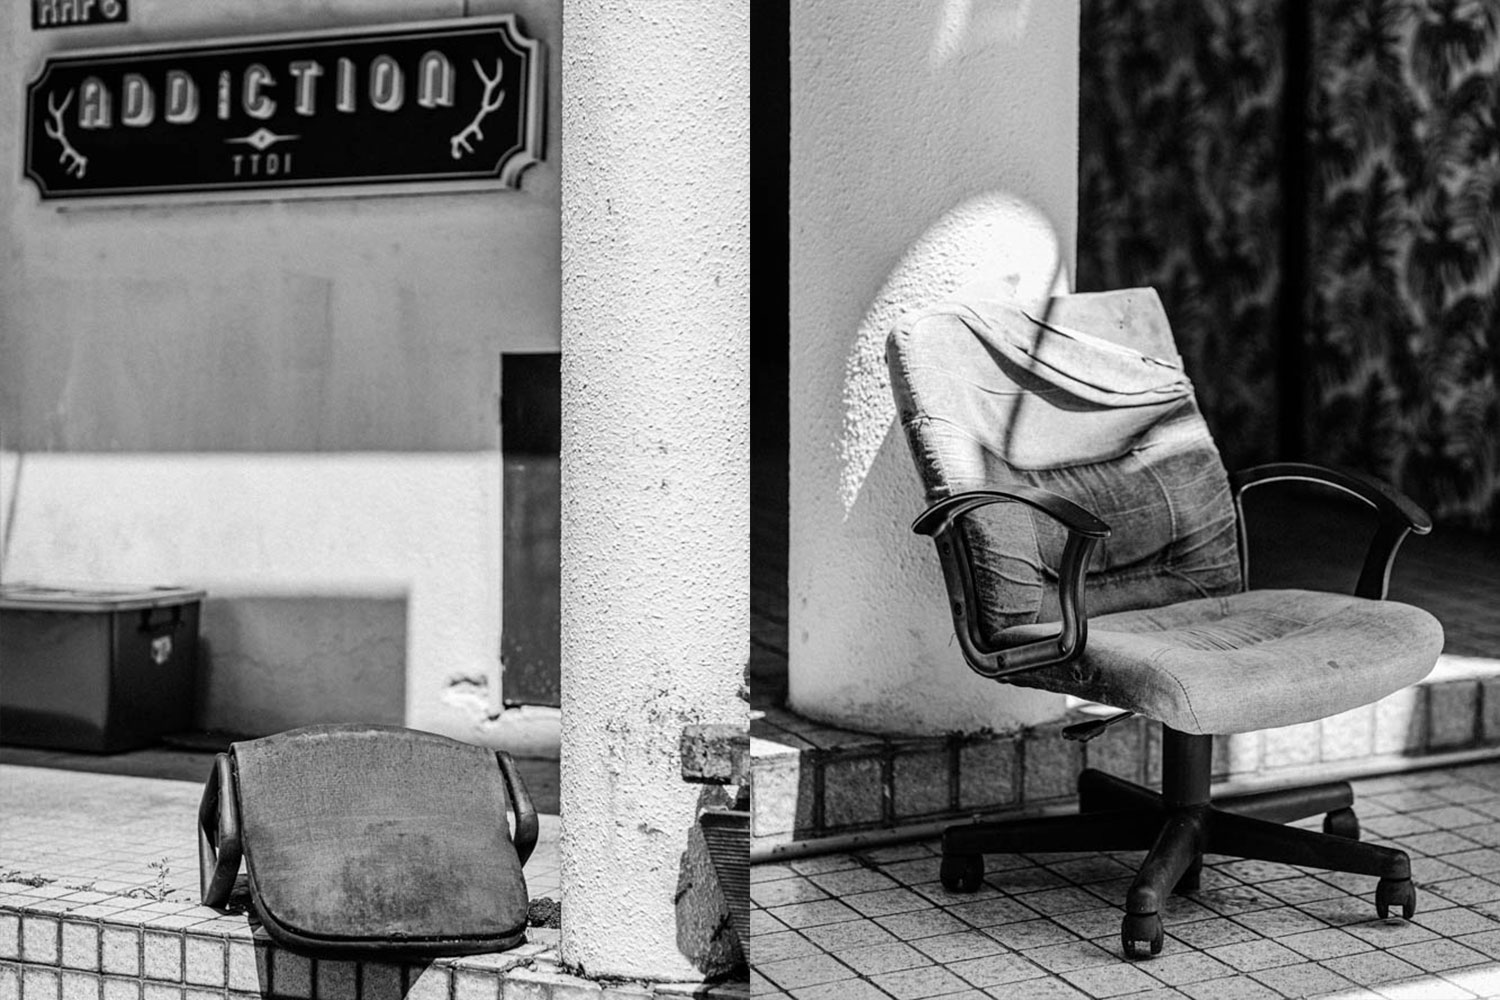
pixel 1181 823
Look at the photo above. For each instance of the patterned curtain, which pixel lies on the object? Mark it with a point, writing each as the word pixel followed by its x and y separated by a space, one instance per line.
pixel 1179 160
pixel 1403 327
pixel 1181 188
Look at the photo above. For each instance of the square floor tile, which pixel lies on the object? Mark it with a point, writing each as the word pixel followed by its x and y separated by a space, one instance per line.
pixel 1301 889
pixel 945 948
pixel 1327 943
pixel 1180 966
pixel 989 912
pixel 1025 934
pixel 918 984
pixel 1064 899
pixel 1303 980
pixel 1071 955
pixel 1036 989
pixel 828 911
pixel 1390 932
pixel 1111 981
pixel 1456 920
pixel 849 989
pixel 1206 934
pixel 80 945
pixel 1280 921
pixel 1439 955
pixel 783 944
pixel 886 901
pixel 1230 988
pixel 889 957
pixel 783 892
pixel 805 970
pixel 996 970
pixel 1369 968
pixel 1252 956
pixel 922 923
pixel 852 880
pixel 1463 891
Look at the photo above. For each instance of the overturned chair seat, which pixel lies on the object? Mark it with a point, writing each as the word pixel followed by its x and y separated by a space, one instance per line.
pixel 371 841
pixel 1092 545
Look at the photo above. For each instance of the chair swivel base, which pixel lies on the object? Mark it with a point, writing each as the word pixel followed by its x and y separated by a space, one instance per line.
pixel 1176 827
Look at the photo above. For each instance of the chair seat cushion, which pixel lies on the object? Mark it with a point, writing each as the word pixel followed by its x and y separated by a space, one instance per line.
pixel 379 839
pixel 1253 660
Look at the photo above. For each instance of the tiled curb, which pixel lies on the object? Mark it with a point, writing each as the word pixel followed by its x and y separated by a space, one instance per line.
pixel 50 950
pixel 813 782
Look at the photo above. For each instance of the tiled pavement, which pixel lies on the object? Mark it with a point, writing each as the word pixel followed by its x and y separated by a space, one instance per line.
pixel 877 924
pixel 98 901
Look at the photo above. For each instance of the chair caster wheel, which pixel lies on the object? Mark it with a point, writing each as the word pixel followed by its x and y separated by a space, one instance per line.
pixel 962 872
pixel 1141 935
pixel 1342 823
pixel 1395 892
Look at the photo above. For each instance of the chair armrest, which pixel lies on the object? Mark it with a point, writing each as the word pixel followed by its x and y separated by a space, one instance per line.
pixel 1397 515
pixel 219 848
pixel 520 803
pixel 1084 532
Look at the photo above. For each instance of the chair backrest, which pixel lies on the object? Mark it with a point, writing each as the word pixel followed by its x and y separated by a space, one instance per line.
pixel 1086 397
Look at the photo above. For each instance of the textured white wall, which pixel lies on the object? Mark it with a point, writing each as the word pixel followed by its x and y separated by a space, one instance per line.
pixel 934 146
pixel 291 403
pixel 655 464
pixel 327 574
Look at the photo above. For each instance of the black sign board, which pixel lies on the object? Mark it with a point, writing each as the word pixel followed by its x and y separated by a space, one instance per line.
pixel 66 13
pixel 454 101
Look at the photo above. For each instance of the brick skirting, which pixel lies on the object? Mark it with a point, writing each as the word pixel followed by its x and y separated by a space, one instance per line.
pixel 813 781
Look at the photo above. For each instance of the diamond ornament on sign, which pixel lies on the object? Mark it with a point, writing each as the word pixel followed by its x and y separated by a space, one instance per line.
pixel 263 139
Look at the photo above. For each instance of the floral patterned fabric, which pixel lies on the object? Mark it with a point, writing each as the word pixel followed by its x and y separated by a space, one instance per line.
pixel 1404 236
pixel 1181 188
pixel 1179 160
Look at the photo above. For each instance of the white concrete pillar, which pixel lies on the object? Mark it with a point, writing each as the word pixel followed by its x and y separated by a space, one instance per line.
pixel 934 145
pixel 655 463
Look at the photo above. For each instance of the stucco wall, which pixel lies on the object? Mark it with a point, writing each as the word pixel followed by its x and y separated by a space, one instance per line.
pixel 655 467
pixel 934 145
pixel 289 402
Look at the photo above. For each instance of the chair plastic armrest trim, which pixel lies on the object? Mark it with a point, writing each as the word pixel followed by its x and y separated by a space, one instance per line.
pixel 1067 513
pixel 1388 502
pixel 219 849
pixel 1397 514
pixel 1084 532
pixel 520 800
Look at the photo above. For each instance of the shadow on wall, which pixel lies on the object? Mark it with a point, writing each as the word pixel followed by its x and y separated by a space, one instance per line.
pixel 269 662
pixel 894 623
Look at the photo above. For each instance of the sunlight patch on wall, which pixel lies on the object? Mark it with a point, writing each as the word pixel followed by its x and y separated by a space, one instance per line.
pixel 994 245
pixel 973 25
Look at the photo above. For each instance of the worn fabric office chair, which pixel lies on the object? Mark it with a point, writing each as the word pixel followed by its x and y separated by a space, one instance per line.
pixel 1092 545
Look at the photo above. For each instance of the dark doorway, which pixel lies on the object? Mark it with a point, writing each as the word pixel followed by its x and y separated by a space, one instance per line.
pixel 770 152
pixel 530 449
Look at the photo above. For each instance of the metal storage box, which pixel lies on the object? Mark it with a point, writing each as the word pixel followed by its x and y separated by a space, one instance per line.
pixel 96 668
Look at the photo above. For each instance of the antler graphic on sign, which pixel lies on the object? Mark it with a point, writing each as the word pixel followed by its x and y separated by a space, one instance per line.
pixel 73 161
pixel 491 101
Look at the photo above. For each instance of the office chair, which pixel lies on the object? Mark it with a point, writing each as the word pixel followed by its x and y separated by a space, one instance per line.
pixel 1092 544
